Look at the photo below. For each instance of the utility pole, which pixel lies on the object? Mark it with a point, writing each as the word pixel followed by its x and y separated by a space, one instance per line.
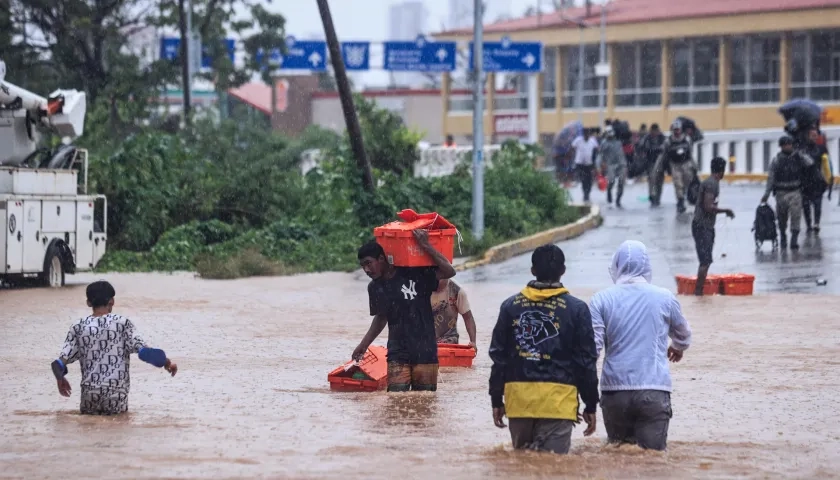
pixel 185 26
pixel 354 130
pixel 478 121
pixel 602 81
pixel 581 65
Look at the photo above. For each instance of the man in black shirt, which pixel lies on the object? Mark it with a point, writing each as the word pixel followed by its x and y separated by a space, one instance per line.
pixel 401 298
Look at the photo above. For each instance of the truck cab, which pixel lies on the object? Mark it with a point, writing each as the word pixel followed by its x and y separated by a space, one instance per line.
pixel 52 225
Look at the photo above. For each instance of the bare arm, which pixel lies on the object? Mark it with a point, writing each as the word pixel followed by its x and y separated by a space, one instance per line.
pixel 469 322
pixel 444 268
pixel 710 207
pixel 376 326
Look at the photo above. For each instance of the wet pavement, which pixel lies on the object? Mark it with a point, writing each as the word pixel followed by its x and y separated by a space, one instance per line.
pixel 671 247
pixel 754 396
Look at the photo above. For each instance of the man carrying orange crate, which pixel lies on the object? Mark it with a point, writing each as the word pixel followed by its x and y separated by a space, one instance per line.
pixel 401 298
pixel 544 354
pixel 449 301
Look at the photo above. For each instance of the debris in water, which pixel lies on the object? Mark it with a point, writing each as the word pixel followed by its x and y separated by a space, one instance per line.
pixel 822 282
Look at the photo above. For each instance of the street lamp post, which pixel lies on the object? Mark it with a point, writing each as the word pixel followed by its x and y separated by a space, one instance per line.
pixel 478 121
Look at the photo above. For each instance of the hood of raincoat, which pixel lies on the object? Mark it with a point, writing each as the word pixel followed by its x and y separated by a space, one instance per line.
pixel 631 263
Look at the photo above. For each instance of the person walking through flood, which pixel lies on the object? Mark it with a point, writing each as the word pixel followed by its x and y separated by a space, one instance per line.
pixel 703 223
pixel 401 298
pixel 647 152
pixel 614 161
pixel 815 181
pixel 784 181
pixel 585 148
pixel 102 343
pixel 676 151
pixel 543 353
pixel 449 301
pixel 632 321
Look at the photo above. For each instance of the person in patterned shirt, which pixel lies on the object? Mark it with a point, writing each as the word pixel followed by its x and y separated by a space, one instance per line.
pixel 102 344
pixel 448 301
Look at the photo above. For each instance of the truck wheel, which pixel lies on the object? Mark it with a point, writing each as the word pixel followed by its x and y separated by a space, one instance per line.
pixel 53 275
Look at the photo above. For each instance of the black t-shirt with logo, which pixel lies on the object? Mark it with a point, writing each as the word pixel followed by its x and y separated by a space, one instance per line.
pixel 406 300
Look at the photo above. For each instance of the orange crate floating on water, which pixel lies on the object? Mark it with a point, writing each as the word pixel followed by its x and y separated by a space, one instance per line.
pixel 686 285
pixel 737 284
pixel 402 250
pixel 370 375
pixel 455 355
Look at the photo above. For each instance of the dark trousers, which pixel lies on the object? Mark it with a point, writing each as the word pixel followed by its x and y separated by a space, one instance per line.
pixel 810 201
pixel 541 434
pixel 639 417
pixel 585 175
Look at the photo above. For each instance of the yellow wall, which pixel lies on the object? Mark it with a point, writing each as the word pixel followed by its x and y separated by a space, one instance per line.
pixel 720 116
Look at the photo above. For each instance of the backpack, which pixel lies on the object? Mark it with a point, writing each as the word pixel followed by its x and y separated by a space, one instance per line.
pixel 764 225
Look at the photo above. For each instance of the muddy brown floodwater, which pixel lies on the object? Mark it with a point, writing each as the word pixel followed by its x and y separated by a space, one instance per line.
pixel 755 396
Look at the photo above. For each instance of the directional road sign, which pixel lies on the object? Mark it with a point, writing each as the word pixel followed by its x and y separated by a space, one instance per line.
pixel 507 56
pixel 301 55
pixel 170 48
pixel 420 55
pixel 356 55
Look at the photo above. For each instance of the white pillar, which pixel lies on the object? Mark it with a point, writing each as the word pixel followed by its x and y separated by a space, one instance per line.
pixel 533 109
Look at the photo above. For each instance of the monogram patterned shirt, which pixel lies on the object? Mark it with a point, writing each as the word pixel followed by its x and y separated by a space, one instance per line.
pixel 102 345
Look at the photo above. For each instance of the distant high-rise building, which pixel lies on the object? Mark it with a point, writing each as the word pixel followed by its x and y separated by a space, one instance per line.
pixel 407 21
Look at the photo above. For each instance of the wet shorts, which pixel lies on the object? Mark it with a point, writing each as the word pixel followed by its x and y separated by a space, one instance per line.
pixel 403 377
pixel 704 242
pixel 639 417
pixel 541 434
pixel 103 402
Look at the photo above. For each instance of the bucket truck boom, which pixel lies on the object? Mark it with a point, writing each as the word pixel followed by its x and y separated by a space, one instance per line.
pixel 25 115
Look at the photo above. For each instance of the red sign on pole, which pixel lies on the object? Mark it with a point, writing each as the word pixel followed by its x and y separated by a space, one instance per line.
pixel 511 124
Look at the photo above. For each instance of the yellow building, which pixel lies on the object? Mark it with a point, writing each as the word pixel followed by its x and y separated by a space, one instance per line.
pixel 726 63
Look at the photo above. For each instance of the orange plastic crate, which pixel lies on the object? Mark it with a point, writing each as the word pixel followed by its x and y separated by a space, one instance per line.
pixel 402 250
pixel 686 285
pixel 738 284
pixel 374 365
pixel 455 355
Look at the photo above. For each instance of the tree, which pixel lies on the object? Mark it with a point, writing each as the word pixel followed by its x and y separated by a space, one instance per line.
pixel 85 44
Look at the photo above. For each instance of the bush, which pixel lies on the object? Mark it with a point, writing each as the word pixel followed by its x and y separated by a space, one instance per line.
pixel 229 200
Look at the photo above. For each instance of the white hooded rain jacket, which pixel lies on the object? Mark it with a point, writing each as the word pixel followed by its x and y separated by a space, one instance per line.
pixel 632 322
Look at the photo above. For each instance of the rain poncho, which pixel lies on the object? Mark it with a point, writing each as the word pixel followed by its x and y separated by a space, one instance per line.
pixel 632 322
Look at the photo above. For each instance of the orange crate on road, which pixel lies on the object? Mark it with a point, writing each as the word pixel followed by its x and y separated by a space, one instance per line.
pixel 455 355
pixel 738 284
pixel 686 285
pixel 370 375
pixel 401 248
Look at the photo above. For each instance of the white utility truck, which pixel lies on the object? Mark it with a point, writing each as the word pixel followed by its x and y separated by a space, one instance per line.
pixel 52 225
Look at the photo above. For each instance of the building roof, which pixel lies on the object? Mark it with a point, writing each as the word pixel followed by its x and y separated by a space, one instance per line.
pixel 642 11
pixel 255 94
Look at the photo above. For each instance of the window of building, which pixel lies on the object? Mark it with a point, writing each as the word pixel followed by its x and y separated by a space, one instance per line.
pixel 694 80
pixel 639 75
pixel 549 76
pixel 591 57
pixel 754 70
pixel 815 71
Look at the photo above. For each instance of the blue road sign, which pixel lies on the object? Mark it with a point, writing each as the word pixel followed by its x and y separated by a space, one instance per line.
pixel 420 55
pixel 507 56
pixel 207 61
pixel 301 55
pixel 356 55
pixel 170 48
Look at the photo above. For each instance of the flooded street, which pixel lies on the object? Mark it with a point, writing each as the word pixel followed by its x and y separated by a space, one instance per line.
pixel 755 396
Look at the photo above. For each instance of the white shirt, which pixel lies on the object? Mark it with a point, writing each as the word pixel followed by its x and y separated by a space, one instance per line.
pixel 632 322
pixel 584 150
pixel 102 346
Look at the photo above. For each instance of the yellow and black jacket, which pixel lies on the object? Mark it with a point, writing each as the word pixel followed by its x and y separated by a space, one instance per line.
pixel 543 352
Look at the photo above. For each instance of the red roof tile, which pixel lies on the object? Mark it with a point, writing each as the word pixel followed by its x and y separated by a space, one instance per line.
pixel 639 11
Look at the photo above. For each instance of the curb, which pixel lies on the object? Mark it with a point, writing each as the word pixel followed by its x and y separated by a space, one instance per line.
pixel 510 249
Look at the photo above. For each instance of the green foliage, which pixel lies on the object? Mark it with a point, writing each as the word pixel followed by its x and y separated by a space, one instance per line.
pixel 388 143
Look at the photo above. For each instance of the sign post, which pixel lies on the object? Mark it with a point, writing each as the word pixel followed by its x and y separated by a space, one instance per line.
pixel 503 56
